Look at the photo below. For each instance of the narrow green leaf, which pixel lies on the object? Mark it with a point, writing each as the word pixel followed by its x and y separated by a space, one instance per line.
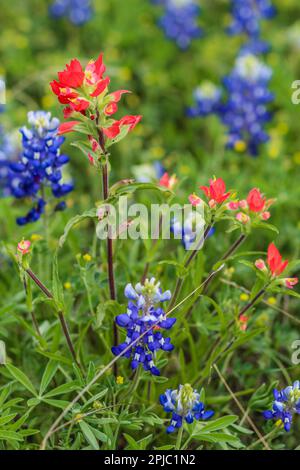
pixel 48 375
pixel 21 378
pixel 89 435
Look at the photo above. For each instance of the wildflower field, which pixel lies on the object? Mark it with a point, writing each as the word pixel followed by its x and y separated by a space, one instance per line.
pixel 149 207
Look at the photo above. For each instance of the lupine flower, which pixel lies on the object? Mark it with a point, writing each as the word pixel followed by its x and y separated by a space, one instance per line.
pixel 275 267
pixel 180 21
pixel 149 172
pixel 244 111
pixel 286 404
pixel 215 192
pixel 85 94
pixel 189 229
pixel 143 312
pixel 184 404
pixel 247 17
pixel 39 166
pixel 77 11
pixel 7 153
pixel 255 207
pixel 207 100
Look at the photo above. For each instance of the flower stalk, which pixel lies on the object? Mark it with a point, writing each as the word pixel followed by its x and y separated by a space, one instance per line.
pixel 61 317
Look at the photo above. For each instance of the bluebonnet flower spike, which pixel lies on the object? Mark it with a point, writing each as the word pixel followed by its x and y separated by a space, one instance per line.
pixel 39 166
pixel 180 21
pixel 144 311
pixel 286 404
pixel 78 12
pixel 184 404
pixel 244 110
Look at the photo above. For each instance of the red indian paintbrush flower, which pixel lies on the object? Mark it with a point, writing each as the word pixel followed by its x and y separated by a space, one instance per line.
pixel 85 94
pixel 275 262
pixel 168 181
pixel 215 192
pixel 24 247
pixel 255 200
pixel 255 206
pixel 276 266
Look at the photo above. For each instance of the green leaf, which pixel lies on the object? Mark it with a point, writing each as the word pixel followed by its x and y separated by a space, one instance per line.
pixel 136 186
pixel 133 445
pixel 58 293
pixel 266 226
pixel 10 435
pixel 90 214
pixel 62 404
pixel 89 435
pixel 6 419
pixel 219 423
pixel 48 375
pixel 21 378
pixel 217 437
pixel 61 389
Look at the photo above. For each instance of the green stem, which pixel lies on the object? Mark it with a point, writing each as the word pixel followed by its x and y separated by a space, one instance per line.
pixel 61 317
pixel 269 437
pixel 179 438
pixel 189 259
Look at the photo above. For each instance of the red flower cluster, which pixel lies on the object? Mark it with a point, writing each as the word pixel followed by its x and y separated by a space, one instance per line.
pixel 255 203
pixel 215 192
pixel 276 266
pixel 85 94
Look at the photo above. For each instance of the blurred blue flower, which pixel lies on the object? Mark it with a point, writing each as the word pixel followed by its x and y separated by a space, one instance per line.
pixel 244 111
pixel 39 166
pixel 180 21
pixel 6 152
pixel 144 311
pixel 78 11
pixel 248 14
pixel 183 403
pixel 188 229
pixel 207 99
pixel 286 404
pixel 148 172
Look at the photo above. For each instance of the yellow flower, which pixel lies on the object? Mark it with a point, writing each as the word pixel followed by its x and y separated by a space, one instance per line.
pixel 78 418
pixel 229 272
pixel 120 380
pixel 244 297
pixel 240 146
pixel 87 258
pixel 67 285
pixel 279 424
pixel 272 300
pixel 35 237
pixel 97 405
